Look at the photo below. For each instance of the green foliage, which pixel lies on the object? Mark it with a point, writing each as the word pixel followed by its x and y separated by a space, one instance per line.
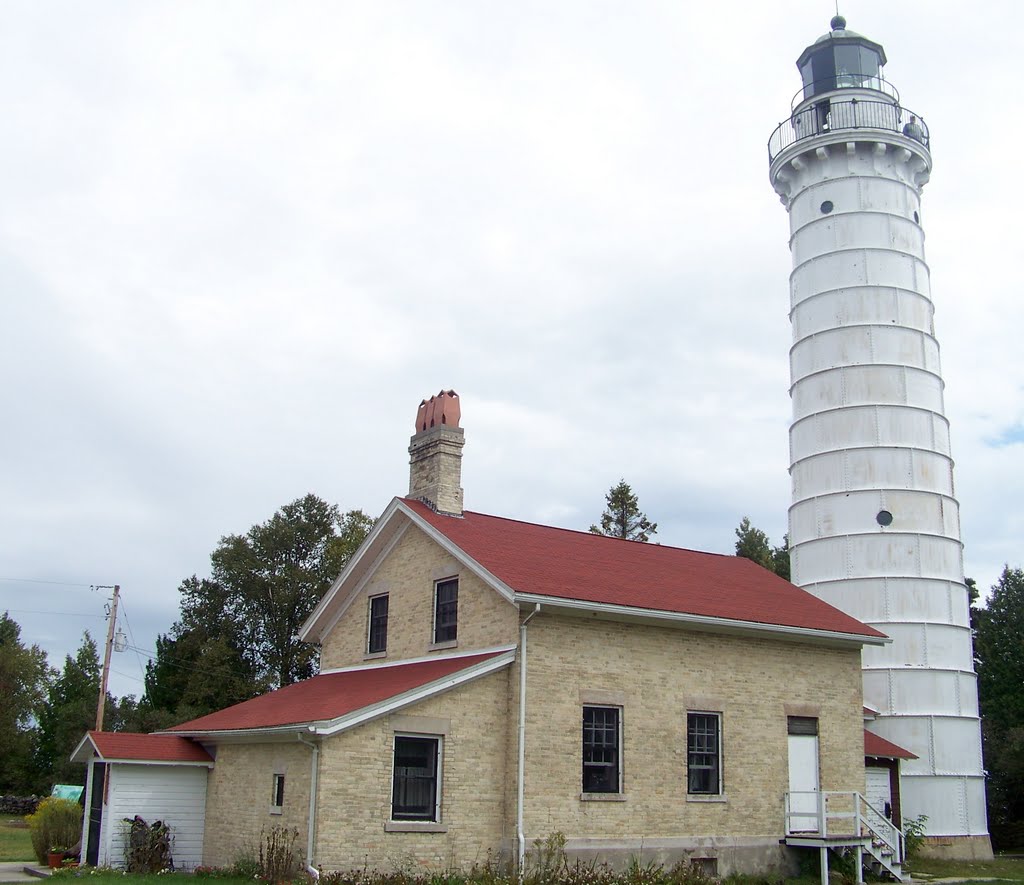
pixel 56 825
pixel 914 832
pixel 23 679
pixel 147 847
pixel 69 712
pixel 999 652
pixel 278 861
pixel 622 517
pixel 235 638
pixel 753 544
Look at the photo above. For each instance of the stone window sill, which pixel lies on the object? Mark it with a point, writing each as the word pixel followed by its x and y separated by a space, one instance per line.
pixel 436 646
pixel 276 809
pixel 602 797
pixel 697 798
pixel 414 826
pixel 373 655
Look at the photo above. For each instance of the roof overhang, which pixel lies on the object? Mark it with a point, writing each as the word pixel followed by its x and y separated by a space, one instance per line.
pixel 701 623
pixel 326 728
pixel 87 751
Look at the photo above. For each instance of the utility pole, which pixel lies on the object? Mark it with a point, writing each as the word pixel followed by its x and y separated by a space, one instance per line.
pixel 106 656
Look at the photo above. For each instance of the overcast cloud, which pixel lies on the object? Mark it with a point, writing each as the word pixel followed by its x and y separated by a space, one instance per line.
pixel 239 242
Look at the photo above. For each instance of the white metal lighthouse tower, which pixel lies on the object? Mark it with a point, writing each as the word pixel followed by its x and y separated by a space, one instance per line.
pixel 874 527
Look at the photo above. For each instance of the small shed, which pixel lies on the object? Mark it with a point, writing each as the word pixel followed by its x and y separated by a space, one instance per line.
pixel 157 777
pixel 882 775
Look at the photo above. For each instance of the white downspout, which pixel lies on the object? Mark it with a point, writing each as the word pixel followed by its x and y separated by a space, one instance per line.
pixel 314 770
pixel 521 785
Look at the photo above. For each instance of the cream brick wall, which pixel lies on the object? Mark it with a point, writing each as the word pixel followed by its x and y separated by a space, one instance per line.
pixel 356 779
pixel 239 795
pixel 656 675
pixel 407 575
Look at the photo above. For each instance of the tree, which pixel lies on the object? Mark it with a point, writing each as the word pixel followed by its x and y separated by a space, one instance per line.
pixel 236 634
pixel 67 714
pixel 622 517
pixel 753 544
pixel 999 653
pixel 23 679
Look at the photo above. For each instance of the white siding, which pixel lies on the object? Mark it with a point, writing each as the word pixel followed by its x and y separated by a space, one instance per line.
pixel 174 794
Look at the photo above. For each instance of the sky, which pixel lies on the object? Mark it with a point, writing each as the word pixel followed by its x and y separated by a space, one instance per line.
pixel 240 242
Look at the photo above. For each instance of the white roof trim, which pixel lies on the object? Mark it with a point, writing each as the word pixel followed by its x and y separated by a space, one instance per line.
pixel 78 756
pixel 365 579
pixel 326 728
pixel 707 621
pixel 358 717
pixel 456 551
pixel 377 665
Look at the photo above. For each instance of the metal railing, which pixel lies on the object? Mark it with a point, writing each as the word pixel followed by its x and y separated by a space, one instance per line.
pixel 844 81
pixel 837 814
pixel 836 115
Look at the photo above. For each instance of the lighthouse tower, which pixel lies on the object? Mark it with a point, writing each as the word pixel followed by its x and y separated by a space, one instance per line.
pixel 874 526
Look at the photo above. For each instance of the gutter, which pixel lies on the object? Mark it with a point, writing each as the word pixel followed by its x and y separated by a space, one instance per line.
pixel 313 772
pixel 521 777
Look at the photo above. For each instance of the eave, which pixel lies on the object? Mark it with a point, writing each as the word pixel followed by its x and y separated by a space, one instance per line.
pixel 701 623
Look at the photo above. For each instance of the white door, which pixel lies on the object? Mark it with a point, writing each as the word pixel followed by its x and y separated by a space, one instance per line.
pixel 803 783
pixel 879 792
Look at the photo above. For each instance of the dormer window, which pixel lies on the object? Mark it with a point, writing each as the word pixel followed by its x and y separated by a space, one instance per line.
pixel 446 610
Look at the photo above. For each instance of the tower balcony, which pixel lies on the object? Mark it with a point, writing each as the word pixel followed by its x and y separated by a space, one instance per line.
pixel 841 115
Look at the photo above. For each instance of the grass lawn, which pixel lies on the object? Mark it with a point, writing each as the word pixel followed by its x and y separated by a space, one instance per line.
pixel 1000 868
pixel 15 841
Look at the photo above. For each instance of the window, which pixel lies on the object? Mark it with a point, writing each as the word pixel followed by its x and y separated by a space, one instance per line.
pixel 277 800
pixel 446 610
pixel 378 634
pixel 415 794
pixel 601 757
pixel 802 725
pixel 703 753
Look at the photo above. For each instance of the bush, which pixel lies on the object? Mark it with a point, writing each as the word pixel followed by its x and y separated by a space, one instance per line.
pixel 277 860
pixel 147 847
pixel 56 825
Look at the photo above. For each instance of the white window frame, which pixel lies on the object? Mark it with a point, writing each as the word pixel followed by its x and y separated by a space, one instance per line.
pixel 417 823
pixel 720 791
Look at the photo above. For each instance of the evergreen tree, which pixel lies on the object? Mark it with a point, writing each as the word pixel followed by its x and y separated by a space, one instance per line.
pixel 622 517
pixel 999 653
pixel 753 544
pixel 67 714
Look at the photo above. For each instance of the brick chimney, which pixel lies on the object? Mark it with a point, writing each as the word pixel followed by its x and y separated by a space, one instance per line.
pixel 435 454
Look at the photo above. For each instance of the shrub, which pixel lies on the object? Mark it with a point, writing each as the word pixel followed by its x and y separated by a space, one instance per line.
pixel 147 847
pixel 277 860
pixel 914 835
pixel 56 825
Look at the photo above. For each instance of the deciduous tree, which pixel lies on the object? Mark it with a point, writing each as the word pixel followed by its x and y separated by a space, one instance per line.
pixel 24 675
pixel 622 517
pixel 236 635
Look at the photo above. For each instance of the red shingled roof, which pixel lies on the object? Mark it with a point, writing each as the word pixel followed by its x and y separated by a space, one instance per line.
pixel 331 695
pixel 546 561
pixel 147 747
pixel 879 746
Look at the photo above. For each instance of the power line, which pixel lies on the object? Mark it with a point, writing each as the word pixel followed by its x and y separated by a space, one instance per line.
pixel 30 611
pixel 37 581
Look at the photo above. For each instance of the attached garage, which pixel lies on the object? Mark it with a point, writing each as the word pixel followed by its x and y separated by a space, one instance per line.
pixel 155 777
